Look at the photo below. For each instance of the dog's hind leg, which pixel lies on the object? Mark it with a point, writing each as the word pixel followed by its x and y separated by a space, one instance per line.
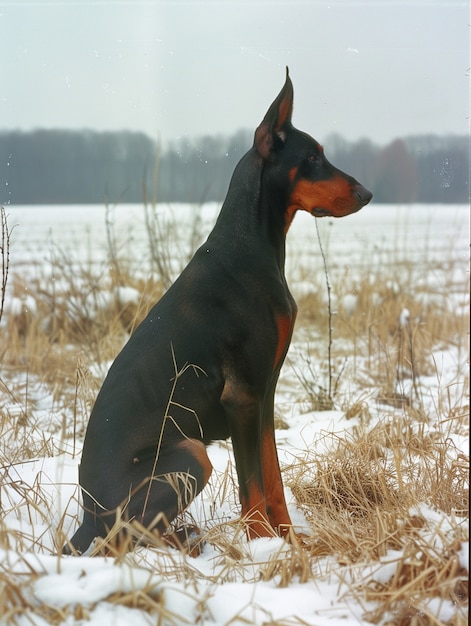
pixel 82 538
pixel 180 472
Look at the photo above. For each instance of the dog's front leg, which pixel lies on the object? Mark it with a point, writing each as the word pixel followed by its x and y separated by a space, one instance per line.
pixel 243 411
pixel 276 507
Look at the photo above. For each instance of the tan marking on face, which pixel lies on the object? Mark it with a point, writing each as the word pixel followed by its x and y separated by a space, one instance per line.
pixel 332 197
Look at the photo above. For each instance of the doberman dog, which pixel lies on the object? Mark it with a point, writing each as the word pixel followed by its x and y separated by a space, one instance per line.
pixel 204 363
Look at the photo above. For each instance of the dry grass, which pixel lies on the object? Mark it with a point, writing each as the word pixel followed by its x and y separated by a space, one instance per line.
pixel 364 495
pixel 395 326
pixel 363 499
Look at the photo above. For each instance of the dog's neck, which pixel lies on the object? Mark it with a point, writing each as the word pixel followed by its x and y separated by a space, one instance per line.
pixel 249 219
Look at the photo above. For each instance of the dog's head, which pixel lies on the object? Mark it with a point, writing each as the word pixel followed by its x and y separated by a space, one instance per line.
pixel 297 166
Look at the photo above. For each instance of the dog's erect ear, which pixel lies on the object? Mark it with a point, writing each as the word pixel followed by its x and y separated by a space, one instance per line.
pixel 278 117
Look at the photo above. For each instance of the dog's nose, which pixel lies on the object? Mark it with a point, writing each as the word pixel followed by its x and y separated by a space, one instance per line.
pixel 363 194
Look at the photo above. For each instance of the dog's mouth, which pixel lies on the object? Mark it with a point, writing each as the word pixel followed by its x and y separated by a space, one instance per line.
pixel 340 206
pixel 319 212
pixel 336 198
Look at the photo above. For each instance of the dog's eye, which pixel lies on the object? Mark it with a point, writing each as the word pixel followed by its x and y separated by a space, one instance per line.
pixel 313 157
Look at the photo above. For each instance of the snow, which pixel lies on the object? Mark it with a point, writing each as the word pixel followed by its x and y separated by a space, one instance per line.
pixel 464 555
pixel 90 581
pixel 86 582
pixel 221 589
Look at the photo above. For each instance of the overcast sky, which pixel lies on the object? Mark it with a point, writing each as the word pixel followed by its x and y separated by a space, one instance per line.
pixel 377 69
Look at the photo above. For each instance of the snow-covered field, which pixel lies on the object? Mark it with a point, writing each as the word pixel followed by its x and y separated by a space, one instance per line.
pixel 423 246
pixel 378 234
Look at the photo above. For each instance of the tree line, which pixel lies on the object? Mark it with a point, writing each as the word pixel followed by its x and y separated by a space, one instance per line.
pixel 75 167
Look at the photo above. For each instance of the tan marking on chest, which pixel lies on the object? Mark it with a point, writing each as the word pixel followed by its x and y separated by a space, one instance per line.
pixel 284 325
